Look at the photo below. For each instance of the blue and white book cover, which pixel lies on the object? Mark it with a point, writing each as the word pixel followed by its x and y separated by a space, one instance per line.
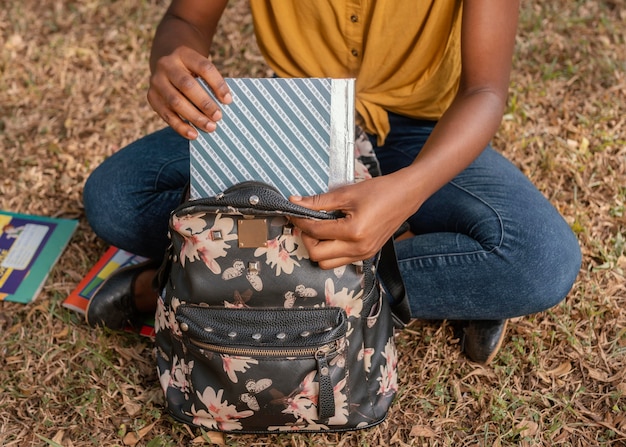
pixel 295 134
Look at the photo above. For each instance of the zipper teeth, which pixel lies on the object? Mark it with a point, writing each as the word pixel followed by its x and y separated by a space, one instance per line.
pixel 265 352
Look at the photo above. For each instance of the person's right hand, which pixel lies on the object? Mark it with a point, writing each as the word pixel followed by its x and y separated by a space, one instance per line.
pixel 177 97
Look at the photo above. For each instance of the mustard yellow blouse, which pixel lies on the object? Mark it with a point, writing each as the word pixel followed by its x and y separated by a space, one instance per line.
pixel 404 54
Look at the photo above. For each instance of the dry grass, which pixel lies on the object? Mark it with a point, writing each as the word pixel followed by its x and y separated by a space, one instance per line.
pixel 72 91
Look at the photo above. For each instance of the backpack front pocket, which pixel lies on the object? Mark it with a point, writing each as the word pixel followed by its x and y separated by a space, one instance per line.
pixel 250 364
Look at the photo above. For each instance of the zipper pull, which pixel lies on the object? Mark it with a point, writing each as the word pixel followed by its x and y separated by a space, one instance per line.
pixel 326 398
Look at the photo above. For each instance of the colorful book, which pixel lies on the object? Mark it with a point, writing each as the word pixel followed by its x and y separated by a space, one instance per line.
pixel 112 260
pixel 296 134
pixel 30 246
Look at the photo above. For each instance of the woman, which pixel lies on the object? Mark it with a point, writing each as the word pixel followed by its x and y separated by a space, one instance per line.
pixel 431 87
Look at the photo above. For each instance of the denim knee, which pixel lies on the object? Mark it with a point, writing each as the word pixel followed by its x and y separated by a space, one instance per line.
pixel 556 260
pixel 99 210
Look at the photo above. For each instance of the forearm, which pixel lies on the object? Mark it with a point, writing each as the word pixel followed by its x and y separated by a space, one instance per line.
pixel 471 121
pixel 187 23
pixel 458 138
pixel 173 32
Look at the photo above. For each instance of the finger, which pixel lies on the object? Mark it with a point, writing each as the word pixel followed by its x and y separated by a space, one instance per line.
pixel 335 252
pixel 170 117
pixel 177 107
pixel 211 75
pixel 321 229
pixel 190 101
pixel 180 100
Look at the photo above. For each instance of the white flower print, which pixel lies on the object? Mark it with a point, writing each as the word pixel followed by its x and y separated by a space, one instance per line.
pixel 283 252
pixel 176 377
pixel 302 408
pixel 164 379
pixel 234 364
pixel 365 354
pixel 352 304
pixel 303 404
pixel 218 414
pixel 277 257
pixel 160 317
pixel 388 372
pixel 166 319
pixel 339 271
pixel 189 224
pixel 204 245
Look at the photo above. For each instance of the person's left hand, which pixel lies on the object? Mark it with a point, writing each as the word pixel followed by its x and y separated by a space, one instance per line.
pixel 372 211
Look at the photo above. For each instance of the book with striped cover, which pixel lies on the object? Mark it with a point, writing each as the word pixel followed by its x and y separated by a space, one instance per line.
pixel 295 134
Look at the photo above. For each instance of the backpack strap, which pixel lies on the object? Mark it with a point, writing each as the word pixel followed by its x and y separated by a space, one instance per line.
pixel 390 276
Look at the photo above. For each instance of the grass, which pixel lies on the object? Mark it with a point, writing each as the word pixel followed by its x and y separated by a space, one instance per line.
pixel 73 78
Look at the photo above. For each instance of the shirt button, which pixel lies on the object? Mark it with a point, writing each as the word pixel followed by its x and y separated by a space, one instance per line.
pixel 354 18
pixel 354 52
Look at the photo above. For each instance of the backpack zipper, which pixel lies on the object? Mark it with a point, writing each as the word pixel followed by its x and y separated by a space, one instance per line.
pixel 268 352
pixel 326 399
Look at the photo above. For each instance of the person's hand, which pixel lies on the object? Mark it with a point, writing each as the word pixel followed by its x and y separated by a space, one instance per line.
pixel 177 97
pixel 373 210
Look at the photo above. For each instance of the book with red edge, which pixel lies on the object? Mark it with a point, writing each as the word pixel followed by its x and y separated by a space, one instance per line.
pixel 112 260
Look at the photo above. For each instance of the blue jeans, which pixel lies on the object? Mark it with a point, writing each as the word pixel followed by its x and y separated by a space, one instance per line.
pixel 488 245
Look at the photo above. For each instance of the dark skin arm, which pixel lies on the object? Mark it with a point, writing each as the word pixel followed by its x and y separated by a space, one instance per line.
pixel 374 209
pixel 180 52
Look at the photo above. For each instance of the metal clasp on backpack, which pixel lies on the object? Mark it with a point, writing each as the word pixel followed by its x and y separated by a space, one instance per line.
pixel 252 233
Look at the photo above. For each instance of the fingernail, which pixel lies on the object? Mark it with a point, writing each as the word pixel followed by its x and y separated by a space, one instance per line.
pixel 192 134
pixel 217 115
pixel 228 98
pixel 210 126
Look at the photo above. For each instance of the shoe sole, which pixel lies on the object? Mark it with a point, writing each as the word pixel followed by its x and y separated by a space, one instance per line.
pixel 499 345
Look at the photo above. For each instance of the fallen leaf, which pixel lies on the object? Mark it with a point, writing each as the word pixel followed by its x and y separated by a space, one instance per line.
pixel 58 438
pixel 133 438
pixel 597 375
pixel 63 333
pixel 584 145
pixel 422 431
pixel 561 370
pixel 131 407
pixel 480 371
pixel 130 439
pixel 527 428
pixel 144 431
pixel 14 42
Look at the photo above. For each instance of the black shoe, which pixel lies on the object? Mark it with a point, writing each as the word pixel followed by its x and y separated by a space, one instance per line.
pixel 481 339
pixel 113 304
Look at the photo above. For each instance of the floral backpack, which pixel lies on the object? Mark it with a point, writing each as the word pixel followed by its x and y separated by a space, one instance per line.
pixel 253 337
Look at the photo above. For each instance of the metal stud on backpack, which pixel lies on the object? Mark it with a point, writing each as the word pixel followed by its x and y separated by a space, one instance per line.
pixel 253 337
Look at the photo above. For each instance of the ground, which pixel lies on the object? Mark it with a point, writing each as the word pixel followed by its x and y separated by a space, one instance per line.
pixel 72 91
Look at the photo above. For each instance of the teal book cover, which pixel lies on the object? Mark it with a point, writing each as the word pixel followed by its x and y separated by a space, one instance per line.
pixel 29 247
pixel 295 134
